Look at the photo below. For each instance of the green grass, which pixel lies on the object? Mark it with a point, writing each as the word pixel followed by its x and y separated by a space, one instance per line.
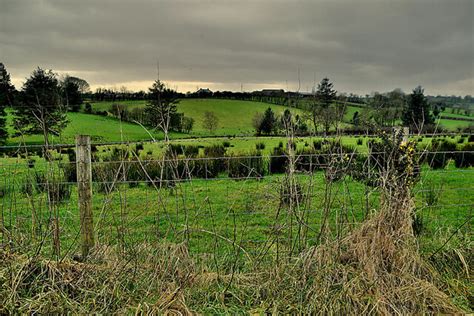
pixel 235 116
pixel 224 207
pixel 235 119
pixel 100 128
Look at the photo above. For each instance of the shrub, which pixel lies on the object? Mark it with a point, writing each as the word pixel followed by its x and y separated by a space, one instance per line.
pixel 465 157
pixel 214 151
pixel 138 147
pixel 31 163
pixel 440 153
pixel 278 161
pixel 360 141
pixel 318 144
pixel 308 160
pixel 88 108
pixel 246 166
pixel 260 146
pixel 226 144
pixel 191 150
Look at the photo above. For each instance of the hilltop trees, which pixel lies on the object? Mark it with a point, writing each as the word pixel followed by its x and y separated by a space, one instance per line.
pixel 7 91
pixel 416 113
pixel 39 108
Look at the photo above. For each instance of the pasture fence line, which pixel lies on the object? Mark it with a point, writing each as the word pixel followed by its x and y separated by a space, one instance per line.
pixel 228 207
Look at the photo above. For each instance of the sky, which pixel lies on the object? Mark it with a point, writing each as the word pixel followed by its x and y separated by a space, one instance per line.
pixel 362 46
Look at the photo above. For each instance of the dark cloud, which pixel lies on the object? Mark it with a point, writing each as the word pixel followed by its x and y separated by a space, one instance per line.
pixel 362 45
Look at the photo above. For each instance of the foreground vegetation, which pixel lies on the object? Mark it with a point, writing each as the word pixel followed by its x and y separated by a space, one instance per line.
pixel 274 242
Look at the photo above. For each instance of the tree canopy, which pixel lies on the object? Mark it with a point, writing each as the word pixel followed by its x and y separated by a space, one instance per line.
pixel 416 113
pixel 39 109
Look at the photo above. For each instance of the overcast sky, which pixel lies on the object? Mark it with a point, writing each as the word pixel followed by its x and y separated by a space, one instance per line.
pixel 362 46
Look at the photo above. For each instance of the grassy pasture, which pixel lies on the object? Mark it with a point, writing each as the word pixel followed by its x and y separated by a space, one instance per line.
pixel 223 206
pixel 235 119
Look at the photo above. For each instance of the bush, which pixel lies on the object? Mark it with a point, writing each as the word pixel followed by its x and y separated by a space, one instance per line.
pixel 278 161
pixel 31 163
pixel 226 144
pixel 309 160
pixel 250 165
pixel 191 150
pixel 318 144
pixel 88 108
pixel 465 157
pixel 260 146
pixel 138 147
pixel 214 151
pixel 360 141
pixel 440 153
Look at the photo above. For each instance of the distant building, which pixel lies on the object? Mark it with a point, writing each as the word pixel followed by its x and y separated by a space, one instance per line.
pixel 203 92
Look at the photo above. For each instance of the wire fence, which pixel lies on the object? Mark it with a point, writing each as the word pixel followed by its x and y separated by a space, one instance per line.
pixel 220 207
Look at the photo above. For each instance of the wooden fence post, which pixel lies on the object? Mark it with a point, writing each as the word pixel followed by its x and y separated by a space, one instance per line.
pixel 84 190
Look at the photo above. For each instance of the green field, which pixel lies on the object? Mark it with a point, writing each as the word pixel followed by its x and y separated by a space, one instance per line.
pixel 235 119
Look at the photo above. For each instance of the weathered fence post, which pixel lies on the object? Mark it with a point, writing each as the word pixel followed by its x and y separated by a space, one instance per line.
pixel 84 190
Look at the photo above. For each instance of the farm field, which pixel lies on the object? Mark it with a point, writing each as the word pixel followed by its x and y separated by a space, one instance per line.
pixel 225 206
pixel 235 120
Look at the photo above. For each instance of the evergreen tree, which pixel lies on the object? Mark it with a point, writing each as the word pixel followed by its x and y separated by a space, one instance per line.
pixel 416 113
pixel 325 93
pixel 39 109
pixel 161 108
pixel 322 109
pixel 7 92
pixel 268 124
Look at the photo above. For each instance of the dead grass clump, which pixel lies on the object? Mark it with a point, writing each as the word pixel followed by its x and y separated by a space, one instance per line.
pixel 377 269
pixel 152 279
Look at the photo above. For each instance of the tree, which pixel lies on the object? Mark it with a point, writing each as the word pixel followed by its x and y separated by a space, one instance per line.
pixel 268 124
pixel 7 92
pixel 323 111
pixel 161 107
pixel 210 121
pixel 257 122
pixel 71 95
pixel 81 84
pixel 40 109
pixel 355 118
pixel 325 93
pixel 416 113
pixel 187 124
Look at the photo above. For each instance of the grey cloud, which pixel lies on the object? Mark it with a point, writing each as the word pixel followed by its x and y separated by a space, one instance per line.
pixel 362 45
